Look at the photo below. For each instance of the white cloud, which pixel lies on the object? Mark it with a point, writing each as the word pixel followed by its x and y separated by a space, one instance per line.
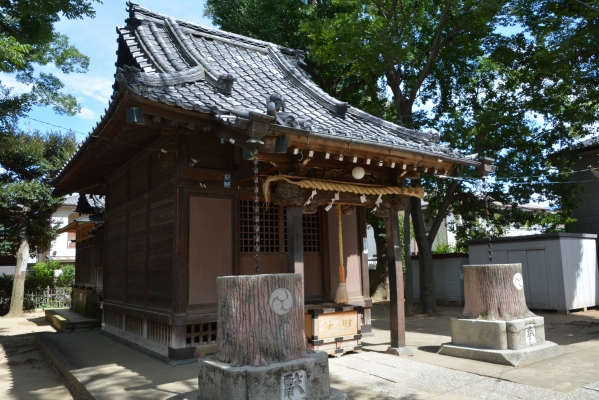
pixel 93 87
pixel 81 86
pixel 11 82
pixel 87 113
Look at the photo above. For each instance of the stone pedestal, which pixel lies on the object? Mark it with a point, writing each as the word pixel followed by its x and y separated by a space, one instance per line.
pixel 262 349
pixel 304 378
pixel 496 325
pixel 516 342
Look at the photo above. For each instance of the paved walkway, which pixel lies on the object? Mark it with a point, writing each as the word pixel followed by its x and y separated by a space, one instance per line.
pixel 102 368
pixel 402 378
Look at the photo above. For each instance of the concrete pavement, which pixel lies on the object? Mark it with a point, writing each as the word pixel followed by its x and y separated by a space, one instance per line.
pixel 102 368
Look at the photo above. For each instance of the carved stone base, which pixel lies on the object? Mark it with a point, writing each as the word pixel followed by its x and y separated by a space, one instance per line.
pixel 304 378
pixel 513 358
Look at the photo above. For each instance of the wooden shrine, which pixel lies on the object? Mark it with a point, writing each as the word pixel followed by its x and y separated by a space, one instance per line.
pixel 192 109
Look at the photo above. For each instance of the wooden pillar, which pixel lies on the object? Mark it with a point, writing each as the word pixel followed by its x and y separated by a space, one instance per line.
pixel 295 240
pixel 398 318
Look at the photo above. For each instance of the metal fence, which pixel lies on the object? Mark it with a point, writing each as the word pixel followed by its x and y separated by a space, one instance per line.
pixel 48 297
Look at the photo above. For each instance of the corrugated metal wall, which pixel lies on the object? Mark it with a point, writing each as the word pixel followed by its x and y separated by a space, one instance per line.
pixel 559 269
pixel 449 281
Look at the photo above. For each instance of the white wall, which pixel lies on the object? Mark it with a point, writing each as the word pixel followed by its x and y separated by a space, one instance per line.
pixel 64 253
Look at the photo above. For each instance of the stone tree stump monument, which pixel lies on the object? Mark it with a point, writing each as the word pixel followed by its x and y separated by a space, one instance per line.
pixel 262 349
pixel 496 324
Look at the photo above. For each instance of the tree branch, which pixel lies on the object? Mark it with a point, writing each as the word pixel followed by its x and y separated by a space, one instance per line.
pixel 587 5
pixel 434 52
pixel 442 211
pixel 481 135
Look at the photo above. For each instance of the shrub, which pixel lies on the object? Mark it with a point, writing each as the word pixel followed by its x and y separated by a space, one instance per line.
pixel 44 274
pixel 444 248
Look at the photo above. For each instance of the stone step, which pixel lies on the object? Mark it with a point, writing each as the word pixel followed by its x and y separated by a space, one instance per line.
pixel 65 320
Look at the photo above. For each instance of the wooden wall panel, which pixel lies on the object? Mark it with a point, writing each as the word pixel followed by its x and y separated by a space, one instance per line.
pixel 210 246
pixel 136 257
pixel 115 259
pixel 98 257
pixel 160 253
pixel 84 266
pixel 313 276
pixel 140 178
pixel 207 152
pixel 163 166
pixel 117 191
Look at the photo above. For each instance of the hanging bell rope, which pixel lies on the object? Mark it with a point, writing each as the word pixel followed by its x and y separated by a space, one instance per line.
pixel 341 295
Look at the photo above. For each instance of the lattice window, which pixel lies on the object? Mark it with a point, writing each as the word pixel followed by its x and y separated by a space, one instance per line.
pixel 135 325
pixel 201 335
pixel 113 318
pixel 311 225
pixel 269 227
pixel 159 332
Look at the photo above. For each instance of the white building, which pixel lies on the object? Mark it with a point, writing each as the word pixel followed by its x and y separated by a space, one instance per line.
pixel 63 247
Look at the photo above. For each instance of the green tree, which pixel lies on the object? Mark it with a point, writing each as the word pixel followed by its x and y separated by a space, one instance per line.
pixel 449 65
pixel 507 97
pixel 26 201
pixel 28 39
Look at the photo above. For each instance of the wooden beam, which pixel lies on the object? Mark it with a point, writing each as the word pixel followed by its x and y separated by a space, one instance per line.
pixel 295 240
pixel 398 318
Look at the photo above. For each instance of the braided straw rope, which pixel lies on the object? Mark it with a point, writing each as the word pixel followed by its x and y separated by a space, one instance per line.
pixel 341 187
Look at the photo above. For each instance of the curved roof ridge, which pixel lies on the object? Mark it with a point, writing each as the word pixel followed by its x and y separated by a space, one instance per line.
pixel 337 107
pixel 134 7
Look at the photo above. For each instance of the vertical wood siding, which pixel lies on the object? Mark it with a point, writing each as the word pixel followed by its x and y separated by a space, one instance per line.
pixel 210 246
pixel 160 254
pixel 115 259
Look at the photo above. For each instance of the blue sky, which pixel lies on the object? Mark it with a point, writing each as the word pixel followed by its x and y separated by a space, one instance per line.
pixel 96 38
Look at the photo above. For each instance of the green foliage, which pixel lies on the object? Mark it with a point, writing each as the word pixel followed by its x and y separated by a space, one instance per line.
pixel 33 286
pixel 379 275
pixel 5 292
pixel 26 201
pixel 28 39
pixel 43 274
pixel 516 98
pixel 279 22
pixel 445 248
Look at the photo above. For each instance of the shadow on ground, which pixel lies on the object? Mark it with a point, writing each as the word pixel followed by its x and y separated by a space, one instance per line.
pixel 562 329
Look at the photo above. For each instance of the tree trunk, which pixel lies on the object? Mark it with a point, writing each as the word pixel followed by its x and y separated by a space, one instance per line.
pixel 494 292
pixel 407 238
pixel 379 275
pixel 428 302
pixel 260 319
pixel 18 285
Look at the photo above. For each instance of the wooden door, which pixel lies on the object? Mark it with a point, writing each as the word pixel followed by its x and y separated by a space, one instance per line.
pixel 210 247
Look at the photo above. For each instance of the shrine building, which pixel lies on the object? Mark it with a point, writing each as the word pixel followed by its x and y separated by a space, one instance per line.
pixel 193 108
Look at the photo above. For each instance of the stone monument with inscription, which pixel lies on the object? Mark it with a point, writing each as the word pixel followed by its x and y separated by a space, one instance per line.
pixel 496 325
pixel 262 350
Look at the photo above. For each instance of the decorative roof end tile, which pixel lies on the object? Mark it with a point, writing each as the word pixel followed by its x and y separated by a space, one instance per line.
pixel 341 109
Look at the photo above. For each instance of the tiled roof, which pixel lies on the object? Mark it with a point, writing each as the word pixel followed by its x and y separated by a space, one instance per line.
pixel 227 76
pixel 186 65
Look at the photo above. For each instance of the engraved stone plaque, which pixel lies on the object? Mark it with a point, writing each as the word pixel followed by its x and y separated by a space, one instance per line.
pixel 281 301
pixel 531 334
pixel 293 385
